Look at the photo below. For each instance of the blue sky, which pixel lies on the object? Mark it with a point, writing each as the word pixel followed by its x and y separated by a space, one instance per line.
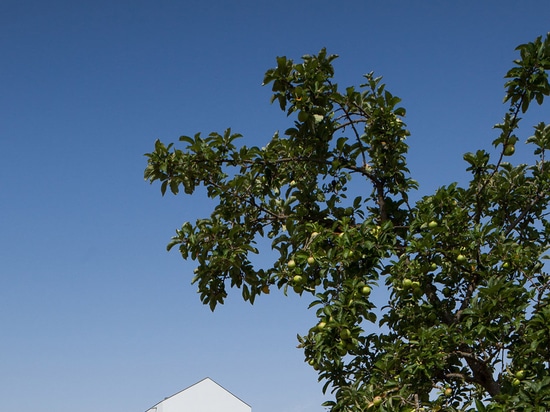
pixel 94 311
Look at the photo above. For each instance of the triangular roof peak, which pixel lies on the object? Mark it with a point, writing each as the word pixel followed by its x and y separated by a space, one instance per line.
pixel 203 396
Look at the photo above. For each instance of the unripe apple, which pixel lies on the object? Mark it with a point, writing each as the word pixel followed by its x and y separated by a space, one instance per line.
pixel 432 224
pixel 516 382
pixel 297 280
pixel 342 348
pixel 377 401
pixel 461 258
pixel 302 116
pixel 520 374
pixel 321 325
pixel 433 266
pixel 407 283
pixel 365 290
pixel 311 260
pixel 345 334
pixel 291 264
pixel 509 149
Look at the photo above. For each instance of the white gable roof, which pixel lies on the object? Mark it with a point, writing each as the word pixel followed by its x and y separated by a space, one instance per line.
pixel 203 396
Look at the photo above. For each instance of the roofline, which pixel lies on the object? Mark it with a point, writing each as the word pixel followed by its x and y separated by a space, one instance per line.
pixel 196 383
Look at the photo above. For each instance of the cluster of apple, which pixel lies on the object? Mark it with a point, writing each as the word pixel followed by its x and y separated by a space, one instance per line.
pixel 298 281
pixel 460 258
pixel 347 342
pixel 518 376
pixel 409 284
pixel 336 338
pixel 377 401
pixel 343 336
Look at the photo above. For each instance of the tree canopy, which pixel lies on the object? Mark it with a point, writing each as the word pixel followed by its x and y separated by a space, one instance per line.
pixel 466 326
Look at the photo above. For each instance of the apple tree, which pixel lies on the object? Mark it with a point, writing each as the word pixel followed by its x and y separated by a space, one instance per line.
pixel 466 326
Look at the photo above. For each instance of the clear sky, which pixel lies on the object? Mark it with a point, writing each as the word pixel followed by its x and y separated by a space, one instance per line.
pixel 95 314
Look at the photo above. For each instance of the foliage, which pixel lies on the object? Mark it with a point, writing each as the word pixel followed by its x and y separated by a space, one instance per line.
pixel 466 325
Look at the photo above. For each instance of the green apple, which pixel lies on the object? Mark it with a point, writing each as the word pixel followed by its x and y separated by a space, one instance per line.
pixel 377 401
pixel 461 258
pixel 365 290
pixel 516 382
pixel 407 283
pixel 520 374
pixel 345 334
pixel 342 348
pixel 321 325
pixel 297 280
pixel 291 264
pixel 433 266
pixel 509 149
pixel 303 116
pixel 432 224
pixel 312 363
pixel 311 260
